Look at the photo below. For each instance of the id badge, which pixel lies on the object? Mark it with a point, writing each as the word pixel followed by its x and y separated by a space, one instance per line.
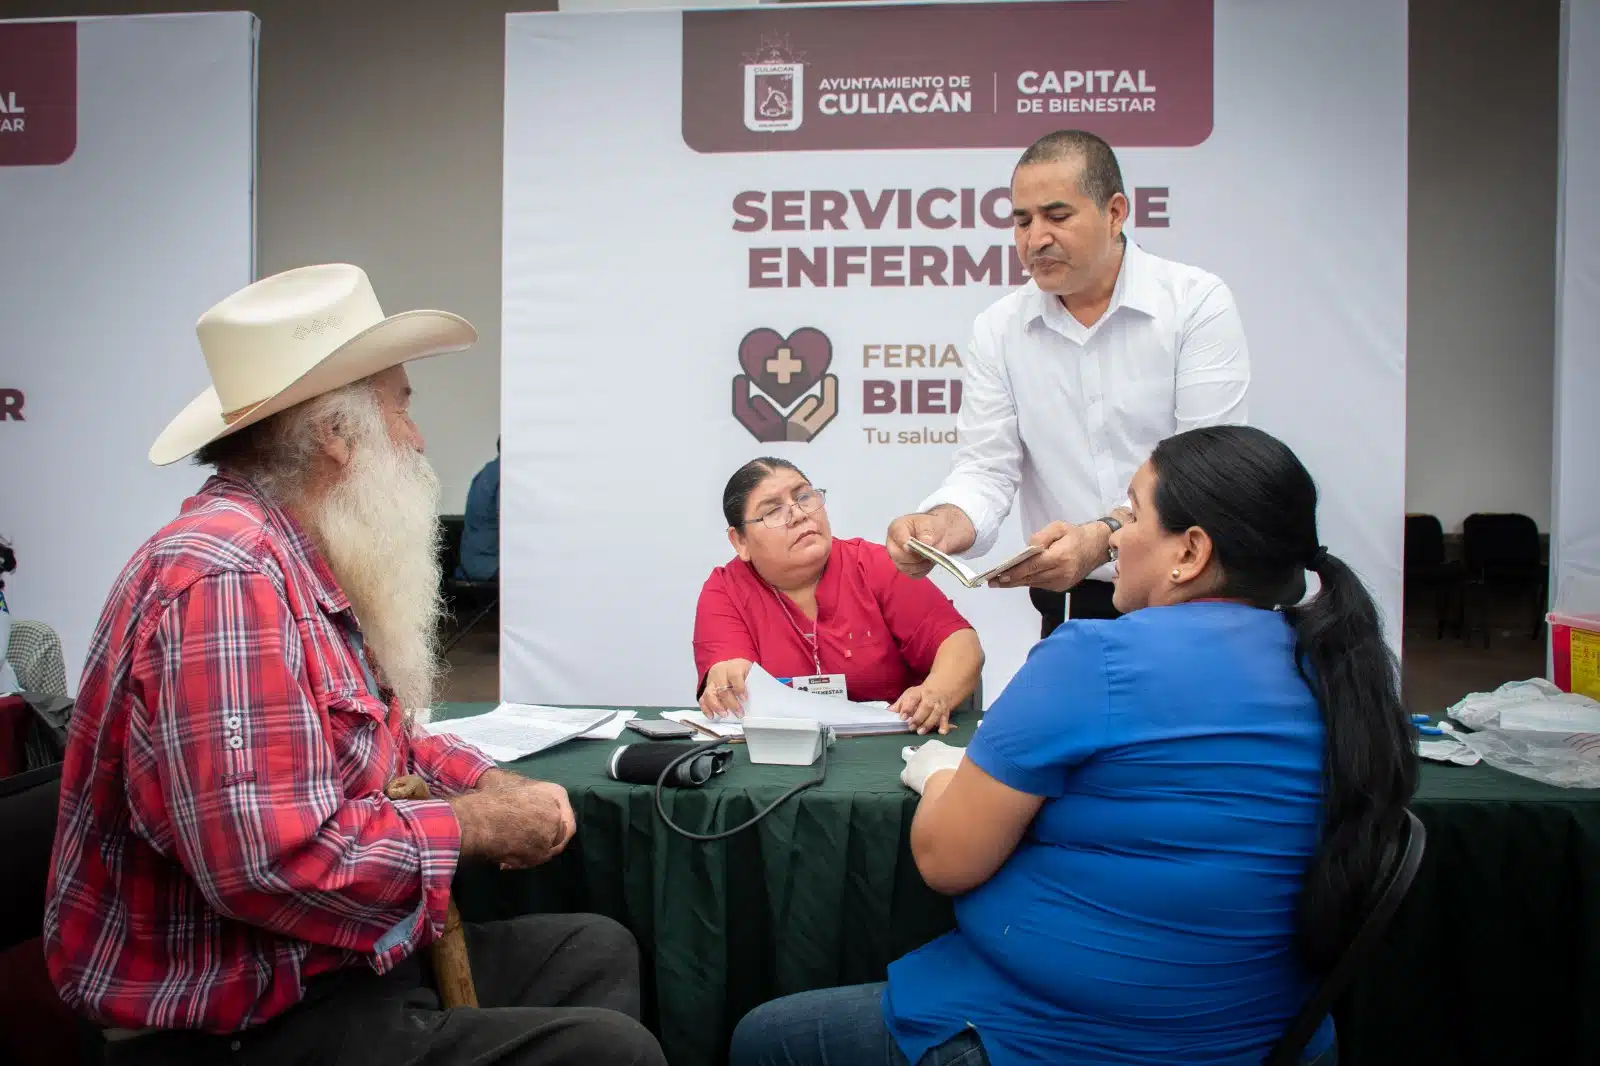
pixel 822 685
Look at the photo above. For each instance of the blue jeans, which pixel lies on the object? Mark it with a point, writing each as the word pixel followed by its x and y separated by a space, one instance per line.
pixel 845 1027
pixel 836 1027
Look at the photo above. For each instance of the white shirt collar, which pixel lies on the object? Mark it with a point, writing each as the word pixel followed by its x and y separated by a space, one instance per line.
pixel 1135 289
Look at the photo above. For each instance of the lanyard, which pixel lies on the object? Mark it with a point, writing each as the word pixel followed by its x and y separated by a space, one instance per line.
pixel 809 638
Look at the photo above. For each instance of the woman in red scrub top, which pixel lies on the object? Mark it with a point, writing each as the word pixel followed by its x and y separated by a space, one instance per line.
pixel 803 604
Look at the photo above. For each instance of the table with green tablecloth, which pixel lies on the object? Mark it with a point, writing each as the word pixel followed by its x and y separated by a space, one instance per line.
pixel 1494 958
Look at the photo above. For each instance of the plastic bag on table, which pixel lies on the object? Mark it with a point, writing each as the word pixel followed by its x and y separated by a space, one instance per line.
pixel 1449 747
pixel 1534 704
pixel 1566 760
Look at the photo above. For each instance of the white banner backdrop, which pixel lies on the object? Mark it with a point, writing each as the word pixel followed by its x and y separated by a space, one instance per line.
pixel 1575 534
pixel 127 164
pixel 677 181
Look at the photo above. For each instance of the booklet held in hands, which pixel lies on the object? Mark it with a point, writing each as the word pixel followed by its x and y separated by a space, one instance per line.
pixel 964 573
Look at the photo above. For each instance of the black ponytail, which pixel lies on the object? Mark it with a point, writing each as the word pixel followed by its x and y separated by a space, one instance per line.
pixel 1371 764
pixel 1258 504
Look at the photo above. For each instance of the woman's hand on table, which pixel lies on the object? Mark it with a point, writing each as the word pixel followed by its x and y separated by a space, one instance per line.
pixel 925 707
pixel 927 759
pixel 724 692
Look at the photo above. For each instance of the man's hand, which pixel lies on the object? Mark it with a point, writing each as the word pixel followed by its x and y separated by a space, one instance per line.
pixel 514 821
pixel 946 527
pixel 924 708
pixel 1071 553
pixel 724 691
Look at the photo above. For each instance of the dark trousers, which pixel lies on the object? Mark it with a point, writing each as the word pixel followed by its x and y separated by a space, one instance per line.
pixel 554 988
pixel 1091 599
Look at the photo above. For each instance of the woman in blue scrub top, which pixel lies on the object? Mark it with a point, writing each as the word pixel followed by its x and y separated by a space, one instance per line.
pixel 1167 823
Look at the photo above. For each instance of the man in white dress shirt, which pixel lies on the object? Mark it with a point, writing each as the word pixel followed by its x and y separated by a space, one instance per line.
pixel 1073 379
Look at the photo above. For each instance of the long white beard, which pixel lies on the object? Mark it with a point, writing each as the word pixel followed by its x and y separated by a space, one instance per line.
pixel 379 530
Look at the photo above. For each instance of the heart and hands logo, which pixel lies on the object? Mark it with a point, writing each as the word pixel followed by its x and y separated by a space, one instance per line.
pixel 785 370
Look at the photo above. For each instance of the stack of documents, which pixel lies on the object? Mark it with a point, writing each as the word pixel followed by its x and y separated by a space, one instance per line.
pixel 767 697
pixel 516 730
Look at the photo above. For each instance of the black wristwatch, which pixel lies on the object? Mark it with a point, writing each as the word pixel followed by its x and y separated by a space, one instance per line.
pixel 1112 524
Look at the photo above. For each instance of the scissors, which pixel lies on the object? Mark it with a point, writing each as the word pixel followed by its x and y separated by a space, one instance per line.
pixel 1420 721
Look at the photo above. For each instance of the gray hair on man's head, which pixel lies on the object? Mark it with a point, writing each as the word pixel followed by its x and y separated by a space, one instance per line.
pixel 278 454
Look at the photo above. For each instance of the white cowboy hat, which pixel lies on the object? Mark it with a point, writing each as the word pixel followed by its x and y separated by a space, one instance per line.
pixel 293 336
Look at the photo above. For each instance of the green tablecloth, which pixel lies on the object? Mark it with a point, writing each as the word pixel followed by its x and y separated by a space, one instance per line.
pixel 1494 959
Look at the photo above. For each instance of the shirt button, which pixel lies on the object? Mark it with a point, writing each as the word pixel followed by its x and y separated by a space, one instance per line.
pixel 233 722
pixel 847 653
pixel 234 1046
pixel 236 742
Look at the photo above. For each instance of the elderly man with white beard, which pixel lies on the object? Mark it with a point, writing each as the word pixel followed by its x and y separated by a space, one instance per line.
pixel 230 881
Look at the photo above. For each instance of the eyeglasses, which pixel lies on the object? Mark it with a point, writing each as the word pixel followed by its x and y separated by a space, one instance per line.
pixel 806 501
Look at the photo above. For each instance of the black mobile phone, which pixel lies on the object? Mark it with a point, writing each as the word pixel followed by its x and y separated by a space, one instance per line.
pixel 660 728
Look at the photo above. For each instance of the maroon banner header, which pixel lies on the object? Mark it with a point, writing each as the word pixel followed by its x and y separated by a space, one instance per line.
pixel 38 93
pixel 971 75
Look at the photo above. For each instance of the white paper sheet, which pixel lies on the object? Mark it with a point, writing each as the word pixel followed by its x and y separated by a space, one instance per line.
pixel 610 730
pixel 516 730
pixel 767 697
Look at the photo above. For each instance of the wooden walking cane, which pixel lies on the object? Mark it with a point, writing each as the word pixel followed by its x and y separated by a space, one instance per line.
pixel 451 970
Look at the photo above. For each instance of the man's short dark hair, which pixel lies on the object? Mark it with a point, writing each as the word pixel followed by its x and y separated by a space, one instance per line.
pixel 1101 178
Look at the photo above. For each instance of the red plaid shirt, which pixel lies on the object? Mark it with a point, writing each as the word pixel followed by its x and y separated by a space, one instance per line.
pixel 223 832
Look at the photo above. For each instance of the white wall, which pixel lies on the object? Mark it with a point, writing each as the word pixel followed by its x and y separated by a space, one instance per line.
pixel 379 129
pixel 1575 536
pixel 1482 257
pixel 380 133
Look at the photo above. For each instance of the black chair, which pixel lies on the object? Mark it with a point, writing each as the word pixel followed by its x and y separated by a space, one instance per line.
pixel 1394 881
pixel 28 819
pixel 39 1027
pixel 1426 569
pixel 1503 551
pixel 463 597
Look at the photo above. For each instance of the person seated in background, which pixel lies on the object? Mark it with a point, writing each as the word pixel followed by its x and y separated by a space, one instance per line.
pixel 230 880
pixel 30 651
pixel 8 676
pixel 802 603
pixel 480 532
pixel 1169 823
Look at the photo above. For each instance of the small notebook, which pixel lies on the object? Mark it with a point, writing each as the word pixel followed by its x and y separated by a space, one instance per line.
pixel 964 573
pixel 726 728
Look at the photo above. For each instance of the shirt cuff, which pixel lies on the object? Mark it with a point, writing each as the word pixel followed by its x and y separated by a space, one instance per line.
pixel 451 766
pixel 437 835
pixel 985 523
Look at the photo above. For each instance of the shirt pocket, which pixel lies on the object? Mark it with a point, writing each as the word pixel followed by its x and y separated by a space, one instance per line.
pixel 875 665
pixel 1143 409
pixel 363 747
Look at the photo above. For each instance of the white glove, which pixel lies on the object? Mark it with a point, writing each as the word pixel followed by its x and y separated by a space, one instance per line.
pixel 927 759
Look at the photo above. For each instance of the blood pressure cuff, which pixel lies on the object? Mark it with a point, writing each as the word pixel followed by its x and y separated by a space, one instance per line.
pixel 641 764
